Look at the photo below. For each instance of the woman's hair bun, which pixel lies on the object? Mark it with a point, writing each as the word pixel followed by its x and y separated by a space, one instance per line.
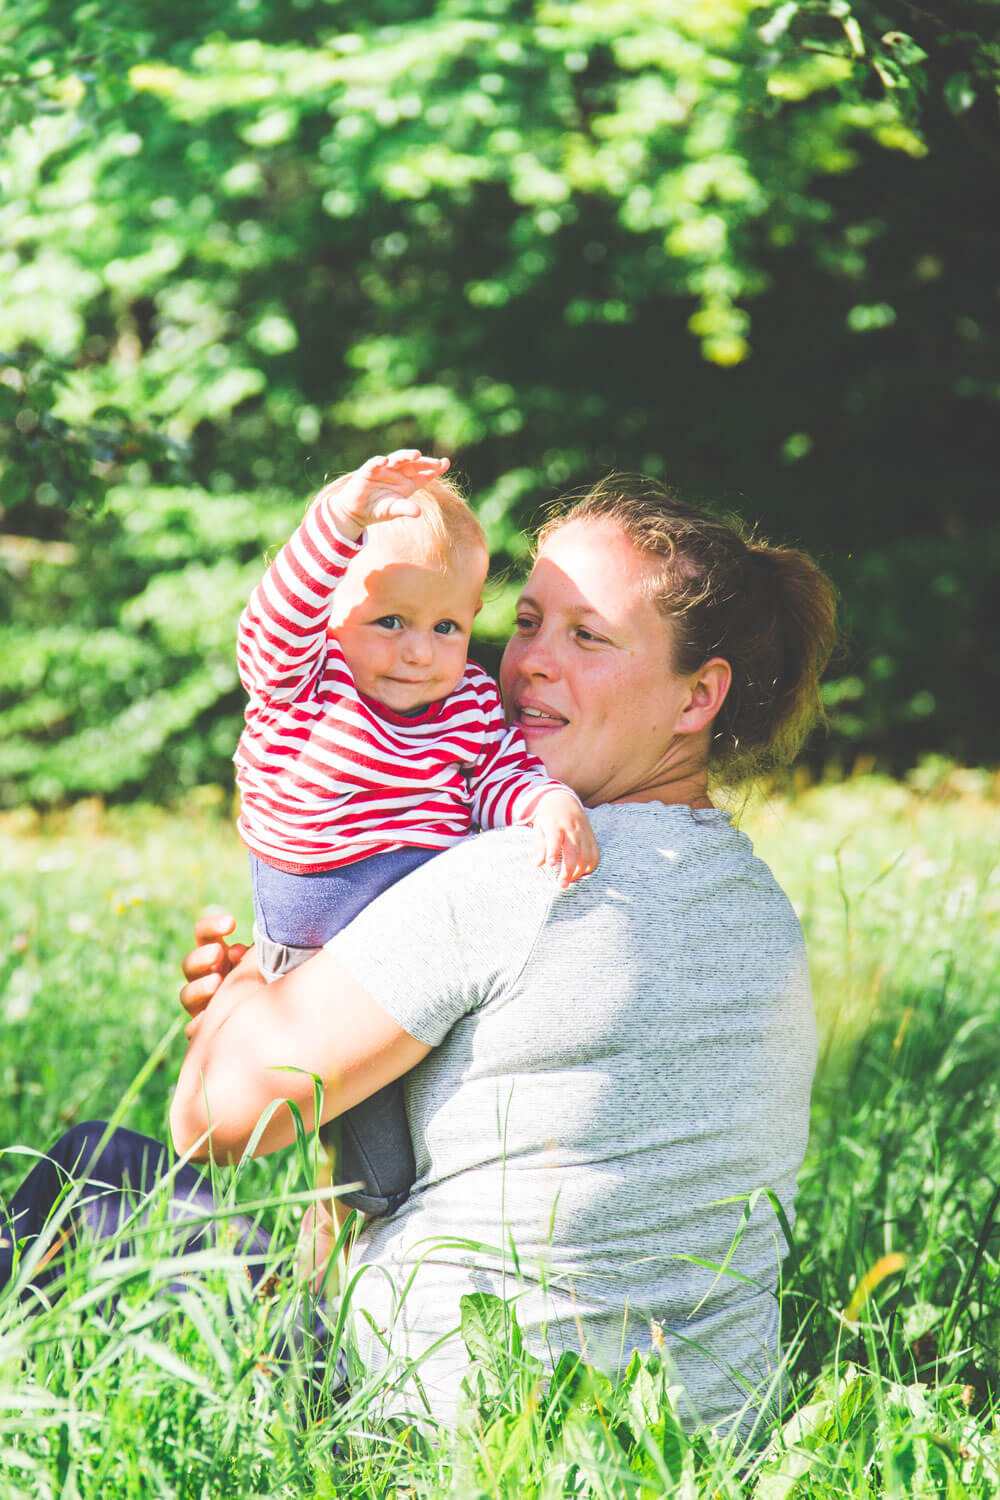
pixel 797 596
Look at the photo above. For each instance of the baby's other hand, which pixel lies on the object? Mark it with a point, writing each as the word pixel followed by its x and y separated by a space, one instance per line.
pixel 382 488
pixel 566 839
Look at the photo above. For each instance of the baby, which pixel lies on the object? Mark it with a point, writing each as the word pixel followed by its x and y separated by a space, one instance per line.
pixel 372 743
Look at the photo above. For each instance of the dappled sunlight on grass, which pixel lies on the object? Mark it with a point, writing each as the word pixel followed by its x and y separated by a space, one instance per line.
pixel 890 1298
pixel 897 887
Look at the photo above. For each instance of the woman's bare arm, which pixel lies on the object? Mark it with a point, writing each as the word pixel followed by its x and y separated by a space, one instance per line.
pixel 317 1020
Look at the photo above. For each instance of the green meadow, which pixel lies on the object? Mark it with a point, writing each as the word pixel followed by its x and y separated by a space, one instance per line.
pixel 891 1296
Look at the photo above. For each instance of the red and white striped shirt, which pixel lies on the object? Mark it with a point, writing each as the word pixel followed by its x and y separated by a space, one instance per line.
pixel 328 776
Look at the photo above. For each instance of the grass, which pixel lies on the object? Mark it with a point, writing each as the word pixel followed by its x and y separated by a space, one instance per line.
pixel 891 1299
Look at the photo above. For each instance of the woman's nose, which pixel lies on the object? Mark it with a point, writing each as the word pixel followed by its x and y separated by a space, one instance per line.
pixel 537 659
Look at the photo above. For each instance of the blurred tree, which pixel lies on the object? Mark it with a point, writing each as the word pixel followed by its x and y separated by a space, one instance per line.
pixel 738 246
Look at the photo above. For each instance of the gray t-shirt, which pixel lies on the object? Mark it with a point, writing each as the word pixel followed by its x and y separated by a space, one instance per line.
pixel 616 1068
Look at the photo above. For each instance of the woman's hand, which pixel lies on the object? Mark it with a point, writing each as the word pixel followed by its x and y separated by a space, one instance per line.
pixel 207 965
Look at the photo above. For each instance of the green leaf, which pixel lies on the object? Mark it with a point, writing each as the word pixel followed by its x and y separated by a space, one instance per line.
pixel 489 1327
pixel 905 49
pixel 959 93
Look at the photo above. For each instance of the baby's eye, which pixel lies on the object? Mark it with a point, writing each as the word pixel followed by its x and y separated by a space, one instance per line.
pixel 446 627
pixel 389 622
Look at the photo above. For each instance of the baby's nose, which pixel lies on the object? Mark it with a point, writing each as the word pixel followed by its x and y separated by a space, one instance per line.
pixel 417 646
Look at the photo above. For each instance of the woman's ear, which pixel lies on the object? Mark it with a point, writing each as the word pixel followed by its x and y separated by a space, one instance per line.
pixel 707 689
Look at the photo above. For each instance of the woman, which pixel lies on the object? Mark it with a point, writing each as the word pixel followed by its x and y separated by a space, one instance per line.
pixel 598 1080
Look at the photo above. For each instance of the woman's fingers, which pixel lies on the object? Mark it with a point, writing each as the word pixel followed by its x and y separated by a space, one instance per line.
pixel 205 976
pixel 196 994
pixel 210 958
pixel 213 922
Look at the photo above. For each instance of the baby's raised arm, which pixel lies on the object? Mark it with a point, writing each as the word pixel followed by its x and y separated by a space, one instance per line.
pixel 281 640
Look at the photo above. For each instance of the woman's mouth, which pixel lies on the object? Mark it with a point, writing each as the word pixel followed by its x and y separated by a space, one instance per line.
pixel 536 716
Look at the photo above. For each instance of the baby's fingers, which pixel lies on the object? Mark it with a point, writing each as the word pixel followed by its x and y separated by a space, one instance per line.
pixel 413 459
pixel 411 464
pixel 579 859
pixel 390 506
pixel 564 858
pixel 551 846
pixel 590 853
pixel 571 869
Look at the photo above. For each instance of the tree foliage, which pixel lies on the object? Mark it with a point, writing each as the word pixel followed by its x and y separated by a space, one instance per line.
pixel 736 246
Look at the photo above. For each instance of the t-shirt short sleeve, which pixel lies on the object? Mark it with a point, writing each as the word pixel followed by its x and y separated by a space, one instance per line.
pixel 451 936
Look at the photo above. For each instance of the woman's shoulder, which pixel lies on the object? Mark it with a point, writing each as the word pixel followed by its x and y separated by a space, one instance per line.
pixel 629 834
pixel 671 831
pixel 494 858
pixel 648 852
pixel 675 853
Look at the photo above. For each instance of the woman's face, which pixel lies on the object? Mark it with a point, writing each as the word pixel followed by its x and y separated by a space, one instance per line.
pixel 587 675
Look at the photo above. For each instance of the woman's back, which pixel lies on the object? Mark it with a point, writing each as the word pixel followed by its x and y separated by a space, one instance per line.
pixel 612 1064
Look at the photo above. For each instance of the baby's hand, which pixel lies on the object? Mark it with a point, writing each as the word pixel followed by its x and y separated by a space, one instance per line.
pixel 566 839
pixel 380 490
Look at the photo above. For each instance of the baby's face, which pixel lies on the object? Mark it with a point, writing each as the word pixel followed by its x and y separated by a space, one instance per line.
pixel 404 619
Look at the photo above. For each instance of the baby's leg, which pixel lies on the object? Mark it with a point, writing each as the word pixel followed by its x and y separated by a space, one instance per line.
pixel 295 914
pixel 286 927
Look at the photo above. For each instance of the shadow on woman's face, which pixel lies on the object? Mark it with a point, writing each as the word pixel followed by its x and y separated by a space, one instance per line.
pixel 587 675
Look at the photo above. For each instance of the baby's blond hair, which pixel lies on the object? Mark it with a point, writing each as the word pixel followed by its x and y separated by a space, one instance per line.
pixel 445 514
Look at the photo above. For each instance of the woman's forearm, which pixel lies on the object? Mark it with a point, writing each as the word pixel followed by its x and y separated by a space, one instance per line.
pixel 258 1043
pixel 189 1115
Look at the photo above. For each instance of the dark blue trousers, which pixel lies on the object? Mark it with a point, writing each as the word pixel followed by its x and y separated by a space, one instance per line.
pixel 112 1180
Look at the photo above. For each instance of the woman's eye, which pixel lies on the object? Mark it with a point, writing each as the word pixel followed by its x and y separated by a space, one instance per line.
pixel 389 622
pixel 525 622
pixel 588 638
pixel 446 627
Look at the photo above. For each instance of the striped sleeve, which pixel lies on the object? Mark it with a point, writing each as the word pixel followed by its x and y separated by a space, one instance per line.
pixel 507 782
pixel 281 641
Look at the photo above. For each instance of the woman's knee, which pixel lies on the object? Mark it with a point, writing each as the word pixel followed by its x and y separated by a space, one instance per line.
pixel 77 1147
pixel 113 1156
